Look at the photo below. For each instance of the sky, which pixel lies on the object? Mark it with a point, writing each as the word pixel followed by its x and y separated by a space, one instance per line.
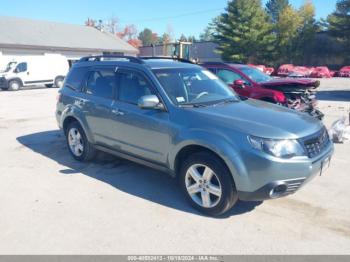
pixel 189 17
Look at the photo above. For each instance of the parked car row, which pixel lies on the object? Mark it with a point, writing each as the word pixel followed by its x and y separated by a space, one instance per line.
pixel 290 70
pixel 182 119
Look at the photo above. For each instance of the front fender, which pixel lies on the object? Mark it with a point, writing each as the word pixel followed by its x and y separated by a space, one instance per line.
pixel 214 141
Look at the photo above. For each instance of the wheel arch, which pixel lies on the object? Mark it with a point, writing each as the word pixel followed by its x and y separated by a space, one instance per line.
pixel 192 149
pixel 19 80
pixel 70 115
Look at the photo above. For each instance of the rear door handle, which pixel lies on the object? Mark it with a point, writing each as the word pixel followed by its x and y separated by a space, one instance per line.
pixel 80 102
pixel 118 112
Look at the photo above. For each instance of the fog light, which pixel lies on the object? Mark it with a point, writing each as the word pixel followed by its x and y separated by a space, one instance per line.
pixel 277 191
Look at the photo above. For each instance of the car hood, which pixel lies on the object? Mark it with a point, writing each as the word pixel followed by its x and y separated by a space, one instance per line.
pixel 291 82
pixel 258 118
pixel 3 74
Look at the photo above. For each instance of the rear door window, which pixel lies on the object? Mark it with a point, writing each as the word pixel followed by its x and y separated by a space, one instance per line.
pixel 101 83
pixel 75 78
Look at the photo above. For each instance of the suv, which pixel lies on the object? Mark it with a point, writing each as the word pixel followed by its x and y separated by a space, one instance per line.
pixel 180 118
pixel 245 80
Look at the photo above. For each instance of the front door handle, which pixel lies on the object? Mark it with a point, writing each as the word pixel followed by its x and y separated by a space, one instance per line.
pixel 118 112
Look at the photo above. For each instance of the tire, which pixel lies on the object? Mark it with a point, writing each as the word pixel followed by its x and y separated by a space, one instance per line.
pixel 49 85
pixel 59 81
pixel 213 197
pixel 78 145
pixel 14 85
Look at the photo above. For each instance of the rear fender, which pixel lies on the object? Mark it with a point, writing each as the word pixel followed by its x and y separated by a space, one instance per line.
pixel 75 112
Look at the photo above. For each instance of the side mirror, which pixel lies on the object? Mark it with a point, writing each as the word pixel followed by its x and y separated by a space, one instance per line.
pixel 150 102
pixel 239 83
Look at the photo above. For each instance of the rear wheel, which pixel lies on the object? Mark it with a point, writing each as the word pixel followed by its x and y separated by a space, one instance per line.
pixel 78 145
pixel 14 85
pixel 207 184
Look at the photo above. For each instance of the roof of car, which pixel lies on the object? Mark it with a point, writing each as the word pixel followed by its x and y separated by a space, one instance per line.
pixel 150 63
pixel 234 65
pixel 164 63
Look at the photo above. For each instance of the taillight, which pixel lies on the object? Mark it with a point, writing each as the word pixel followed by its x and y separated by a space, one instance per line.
pixel 58 97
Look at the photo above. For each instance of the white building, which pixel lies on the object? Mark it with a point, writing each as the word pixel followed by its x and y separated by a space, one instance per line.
pixel 26 37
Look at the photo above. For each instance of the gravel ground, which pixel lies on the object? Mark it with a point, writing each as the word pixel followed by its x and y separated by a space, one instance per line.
pixel 51 204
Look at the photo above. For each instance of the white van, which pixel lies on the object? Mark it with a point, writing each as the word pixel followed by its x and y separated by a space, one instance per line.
pixel 48 70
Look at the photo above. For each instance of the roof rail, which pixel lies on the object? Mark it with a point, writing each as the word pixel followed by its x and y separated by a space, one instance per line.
pixel 213 63
pixel 99 58
pixel 167 58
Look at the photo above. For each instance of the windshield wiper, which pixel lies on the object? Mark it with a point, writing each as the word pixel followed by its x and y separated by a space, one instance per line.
pixel 196 105
pixel 227 101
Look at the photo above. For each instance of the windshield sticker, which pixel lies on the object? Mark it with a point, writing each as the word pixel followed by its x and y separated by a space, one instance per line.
pixel 210 75
pixel 180 99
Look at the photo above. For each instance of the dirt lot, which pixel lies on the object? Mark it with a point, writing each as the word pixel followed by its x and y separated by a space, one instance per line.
pixel 51 204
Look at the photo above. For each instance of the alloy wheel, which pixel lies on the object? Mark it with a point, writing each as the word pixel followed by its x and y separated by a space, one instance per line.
pixel 75 142
pixel 203 186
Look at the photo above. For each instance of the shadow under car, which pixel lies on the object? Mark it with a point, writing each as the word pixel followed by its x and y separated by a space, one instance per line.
pixel 123 175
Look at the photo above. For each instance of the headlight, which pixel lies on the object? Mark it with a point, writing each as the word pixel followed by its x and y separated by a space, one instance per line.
pixel 278 148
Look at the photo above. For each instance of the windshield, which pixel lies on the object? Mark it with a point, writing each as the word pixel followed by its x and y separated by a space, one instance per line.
pixel 255 74
pixel 10 66
pixel 194 86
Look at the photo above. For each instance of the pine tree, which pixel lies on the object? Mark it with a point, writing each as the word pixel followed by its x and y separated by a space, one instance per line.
pixel 308 28
pixel 244 33
pixel 275 7
pixel 287 27
pixel 339 24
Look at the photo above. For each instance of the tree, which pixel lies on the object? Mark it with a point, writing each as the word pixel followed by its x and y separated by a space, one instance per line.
pixel 166 39
pixel 275 7
pixel 191 39
pixel 148 37
pixel 129 34
pixel 209 31
pixel 183 38
pixel 308 28
pixel 244 33
pixel 339 24
pixel 287 27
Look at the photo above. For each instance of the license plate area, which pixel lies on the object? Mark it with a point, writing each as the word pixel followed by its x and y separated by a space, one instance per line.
pixel 325 165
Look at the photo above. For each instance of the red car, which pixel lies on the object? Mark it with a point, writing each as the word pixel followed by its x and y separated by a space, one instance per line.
pixel 301 71
pixel 285 70
pixel 321 72
pixel 263 68
pixel 344 72
pixel 247 81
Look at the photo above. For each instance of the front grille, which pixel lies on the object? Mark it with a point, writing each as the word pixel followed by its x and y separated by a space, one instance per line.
pixel 293 184
pixel 316 144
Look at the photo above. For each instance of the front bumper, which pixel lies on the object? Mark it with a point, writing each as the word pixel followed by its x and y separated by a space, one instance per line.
pixel 4 83
pixel 273 179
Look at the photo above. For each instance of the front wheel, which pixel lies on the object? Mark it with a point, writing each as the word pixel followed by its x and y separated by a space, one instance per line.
pixel 207 184
pixel 14 85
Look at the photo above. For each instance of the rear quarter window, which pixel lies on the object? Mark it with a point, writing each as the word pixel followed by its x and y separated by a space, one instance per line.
pixel 75 78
